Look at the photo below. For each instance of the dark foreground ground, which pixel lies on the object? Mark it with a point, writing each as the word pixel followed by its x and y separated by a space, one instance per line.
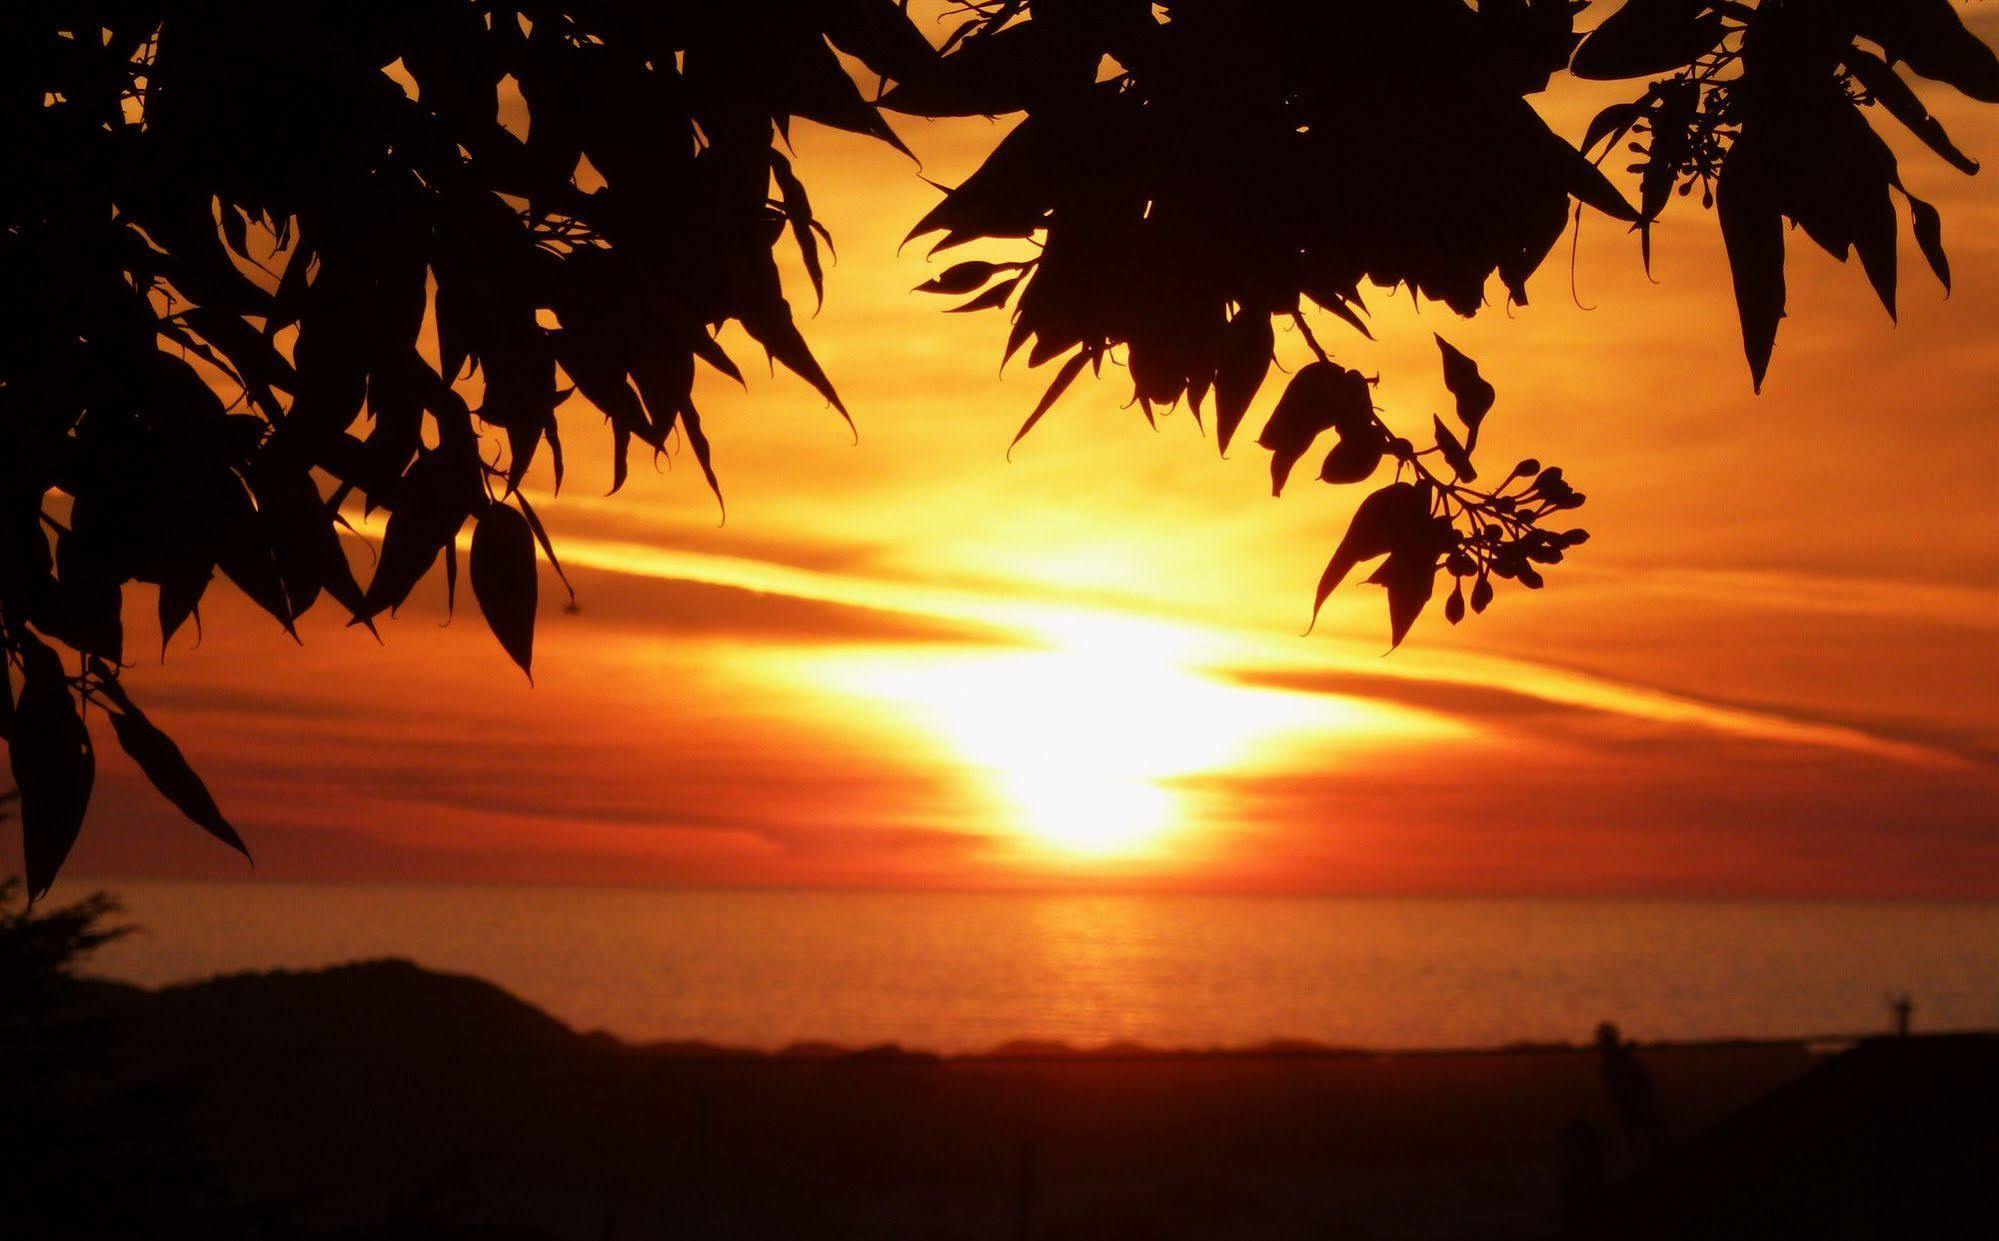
pixel 381 1100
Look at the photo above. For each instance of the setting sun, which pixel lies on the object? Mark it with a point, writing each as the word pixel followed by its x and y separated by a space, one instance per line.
pixel 1081 744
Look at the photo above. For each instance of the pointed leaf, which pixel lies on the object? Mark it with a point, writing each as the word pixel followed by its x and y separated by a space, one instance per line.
pixel 1454 452
pixel 53 763
pixel 503 580
pixel 1474 395
pixel 1752 227
pixel 1892 93
pixel 167 768
pixel 1247 343
pixel 1063 378
pixel 1410 576
pixel 1379 525
pixel 1928 225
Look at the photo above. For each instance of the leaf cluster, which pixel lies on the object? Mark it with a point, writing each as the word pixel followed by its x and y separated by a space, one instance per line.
pixel 1764 106
pixel 287 263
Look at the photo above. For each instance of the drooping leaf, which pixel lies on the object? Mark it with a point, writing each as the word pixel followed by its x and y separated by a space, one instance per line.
pixel 1928 227
pixel 1385 520
pixel 504 580
pixel 1410 577
pixel 53 764
pixel 428 514
pixel 798 211
pixel 1063 378
pixel 1752 227
pixel 1245 360
pixel 547 545
pixel 166 767
pixel 1892 93
pixel 1474 395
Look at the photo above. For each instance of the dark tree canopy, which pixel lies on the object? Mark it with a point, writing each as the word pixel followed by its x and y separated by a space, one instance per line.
pixel 229 225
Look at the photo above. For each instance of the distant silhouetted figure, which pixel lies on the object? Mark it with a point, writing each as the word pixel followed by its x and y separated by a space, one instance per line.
pixel 1903 1007
pixel 1632 1093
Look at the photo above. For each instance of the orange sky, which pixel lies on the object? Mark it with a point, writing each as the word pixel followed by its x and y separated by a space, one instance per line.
pixel 911 662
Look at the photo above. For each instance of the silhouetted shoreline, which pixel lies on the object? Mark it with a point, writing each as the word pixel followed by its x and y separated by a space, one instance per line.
pixel 1014 1050
pixel 370 1091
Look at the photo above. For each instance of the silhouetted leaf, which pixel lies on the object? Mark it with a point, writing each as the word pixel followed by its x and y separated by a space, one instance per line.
pixel 428 513
pixel 165 766
pixel 964 278
pixel 503 580
pixel 1454 453
pixel 1474 395
pixel 798 211
pixel 880 35
pixel 1930 37
pixel 1646 38
pixel 1613 123
pixel 53 763
pixel 992 299
pixel 1410 577
pixel 1355 458
pixel 1385 520
pixel 1322 396
pixel 1894 94
pixel 547 545
pixel 1928 226
pixel 1752 226
pixel 1063 378
pixel 1245 360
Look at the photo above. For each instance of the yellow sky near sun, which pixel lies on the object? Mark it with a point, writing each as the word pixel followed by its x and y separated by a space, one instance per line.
pixel 911 661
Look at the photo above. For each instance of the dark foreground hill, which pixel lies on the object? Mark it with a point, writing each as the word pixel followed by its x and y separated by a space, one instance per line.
pixel 382 1092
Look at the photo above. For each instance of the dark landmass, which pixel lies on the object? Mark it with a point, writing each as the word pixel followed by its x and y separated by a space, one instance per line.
pixel 381 1091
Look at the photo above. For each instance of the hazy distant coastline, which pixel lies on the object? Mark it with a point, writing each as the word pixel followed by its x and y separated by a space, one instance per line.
pixel 1014 1050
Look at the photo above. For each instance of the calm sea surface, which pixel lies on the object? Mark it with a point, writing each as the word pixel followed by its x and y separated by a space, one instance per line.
pixel 957 972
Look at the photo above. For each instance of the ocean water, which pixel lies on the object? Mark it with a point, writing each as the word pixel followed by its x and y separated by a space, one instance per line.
pixel 957 973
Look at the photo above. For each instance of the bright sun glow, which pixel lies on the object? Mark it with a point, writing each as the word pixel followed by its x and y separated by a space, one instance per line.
pixel 1082 743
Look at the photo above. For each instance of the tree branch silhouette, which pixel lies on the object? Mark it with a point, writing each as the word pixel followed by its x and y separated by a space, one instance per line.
pixel 235 225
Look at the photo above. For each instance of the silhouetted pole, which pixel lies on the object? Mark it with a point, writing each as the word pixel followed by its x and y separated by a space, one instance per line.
pixel 1903 1007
